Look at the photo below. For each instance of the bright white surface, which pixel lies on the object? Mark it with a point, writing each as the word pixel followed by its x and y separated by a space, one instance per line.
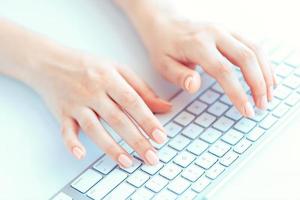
pixel 34 161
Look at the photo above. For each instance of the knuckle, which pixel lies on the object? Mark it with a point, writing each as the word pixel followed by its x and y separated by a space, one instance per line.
pixel 114 119
pixel 221 68
pixel 129 99
pixel 88 124
pixel 246 55
pixel 140 144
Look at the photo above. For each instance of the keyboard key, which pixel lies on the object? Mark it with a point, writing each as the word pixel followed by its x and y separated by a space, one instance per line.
pixel 106 185
pixel 283 70
pixel 205 119
pixel 138 178
pixel 273 104
pixel 157 183
pixel 268 122
pixel 259 115
pixel 229 158
pixel 172 129
pixel 293 99
pixel 242 146
pixel 166 154
pixel 62 196
pixel 209 96
pixel 142 193
pixel 152 169
pixel 184 159
pixel 105 165
pixel 219 148
pixel 165 195
pixel 245 125
pixel 201 184
pixel 217 108
pixel 192 172
pixel 197 107
pixel 192 131
pixel 223 124
pixel 281 110
pixel 188 195
pixel 170 171
pixel 225 99
pixel 179 142
pixel 179 185
pixel 233 113
pixel 292 82
pixel 218 88
pixel 282 92
pixel 232 136
pixel 184 118
pixel 206 160
pixel 215 171
pixel 210 135
pixel 86 180
pixel 255 134
pixel 123 191
pixel 280 54
pixel 197 147
pixel 135 165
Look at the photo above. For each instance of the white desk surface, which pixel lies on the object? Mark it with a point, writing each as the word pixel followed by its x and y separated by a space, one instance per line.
pixel 34 163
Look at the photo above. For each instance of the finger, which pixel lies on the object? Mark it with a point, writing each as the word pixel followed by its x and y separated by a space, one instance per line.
pixel 243 57
pixel 69 132
pixel 132 103
pixel 156 104
pixel 91 125
pixel 121 123
pixel 264 64
pixel 180 75
pixel 217 66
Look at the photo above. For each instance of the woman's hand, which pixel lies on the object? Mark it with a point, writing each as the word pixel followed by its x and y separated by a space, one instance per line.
pixel 177 46
pixel 81 92
pixel 81 89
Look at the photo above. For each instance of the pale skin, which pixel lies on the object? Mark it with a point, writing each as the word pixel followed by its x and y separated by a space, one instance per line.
pixel 80 89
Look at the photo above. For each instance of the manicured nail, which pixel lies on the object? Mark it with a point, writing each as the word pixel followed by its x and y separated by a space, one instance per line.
pixel 263 102
pixel 159 136
pixel 188 82
pixel 78 153
pixel 249 111
pixel 151 157
pixel 125 161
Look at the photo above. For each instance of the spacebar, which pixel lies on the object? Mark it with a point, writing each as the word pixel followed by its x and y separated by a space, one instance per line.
pixel 112 180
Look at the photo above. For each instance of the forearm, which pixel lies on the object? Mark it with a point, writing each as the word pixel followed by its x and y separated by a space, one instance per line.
pixel 145 15
pixel 25 55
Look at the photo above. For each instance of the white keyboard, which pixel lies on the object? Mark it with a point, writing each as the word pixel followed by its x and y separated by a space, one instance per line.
pixel 207 138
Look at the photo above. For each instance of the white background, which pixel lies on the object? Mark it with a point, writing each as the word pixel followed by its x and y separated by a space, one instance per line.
pixel 34 163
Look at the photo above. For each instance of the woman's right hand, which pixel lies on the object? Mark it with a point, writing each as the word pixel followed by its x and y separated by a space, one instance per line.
pixel 83 89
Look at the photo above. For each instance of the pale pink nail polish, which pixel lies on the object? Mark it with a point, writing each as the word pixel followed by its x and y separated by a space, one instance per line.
pixel 249 111
pixel 151 157
pixel 188 82
pixel 78 153
pixel 159 136
pixel 125 161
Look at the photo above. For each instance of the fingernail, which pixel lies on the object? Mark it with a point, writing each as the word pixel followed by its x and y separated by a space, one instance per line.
pixel 263 102
pixel 249 111
pixel 151 157
pixel 159 136
pixel 125 161
pixel 78 153
pixel 188 82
